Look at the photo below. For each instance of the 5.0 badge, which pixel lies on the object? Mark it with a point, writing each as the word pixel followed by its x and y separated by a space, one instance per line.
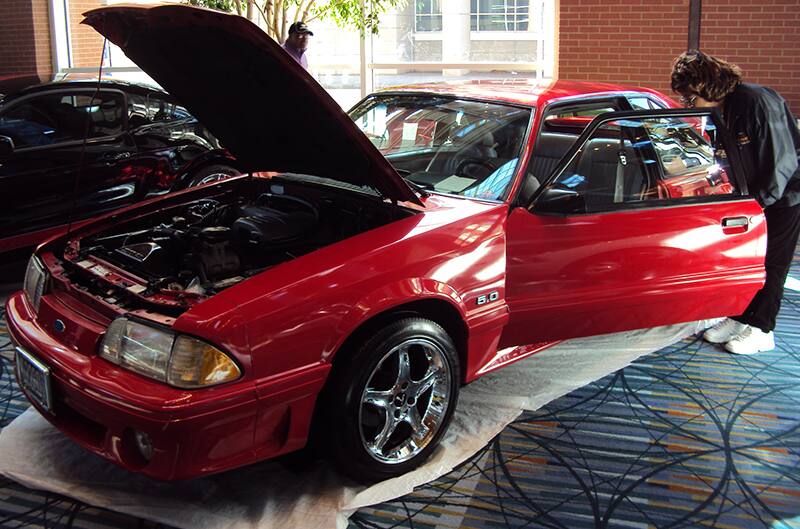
pixel 486 298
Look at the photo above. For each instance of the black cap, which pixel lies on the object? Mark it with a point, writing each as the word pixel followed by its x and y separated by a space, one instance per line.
pixel 300 27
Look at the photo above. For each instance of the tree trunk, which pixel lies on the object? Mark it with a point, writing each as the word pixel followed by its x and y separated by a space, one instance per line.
pixel 278 9
pixel 308 7
pixel 266 12
pixel 298 13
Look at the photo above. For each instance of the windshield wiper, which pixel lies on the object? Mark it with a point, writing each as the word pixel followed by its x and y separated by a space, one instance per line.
pixel 421 188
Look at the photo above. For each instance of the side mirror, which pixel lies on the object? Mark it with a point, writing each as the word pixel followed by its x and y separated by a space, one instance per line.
pixel 559 201
pixel 6 146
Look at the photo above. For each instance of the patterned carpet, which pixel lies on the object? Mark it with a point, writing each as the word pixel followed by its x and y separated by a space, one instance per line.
pixel 686 437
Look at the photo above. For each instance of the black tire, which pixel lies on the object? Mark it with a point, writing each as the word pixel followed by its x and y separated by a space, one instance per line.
pixel 212 173
pixel 369 412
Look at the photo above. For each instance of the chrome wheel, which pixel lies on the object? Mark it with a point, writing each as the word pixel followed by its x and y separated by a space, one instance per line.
pixel 213 177
pixel 212 173
pixel 405 401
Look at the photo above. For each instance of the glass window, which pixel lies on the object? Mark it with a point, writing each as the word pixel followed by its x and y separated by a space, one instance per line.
pixel 144 110
pixel 499 15
pixel 160 109
pixel 466 148
pixel 562 126
pixel 137 111
pixel 58 117
pixel 630 161
pixel 104 111
pixel 574 119
pixel 427 15
pixel 689 163
pixel 644 103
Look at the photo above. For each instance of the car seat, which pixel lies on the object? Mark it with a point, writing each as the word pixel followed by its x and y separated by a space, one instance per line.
pixel 70 122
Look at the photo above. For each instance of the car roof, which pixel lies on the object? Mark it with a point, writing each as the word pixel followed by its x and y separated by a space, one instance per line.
pixel 527 92
pixel 90 81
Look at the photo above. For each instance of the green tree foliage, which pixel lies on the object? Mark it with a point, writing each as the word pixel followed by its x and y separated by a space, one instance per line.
pixel 277 15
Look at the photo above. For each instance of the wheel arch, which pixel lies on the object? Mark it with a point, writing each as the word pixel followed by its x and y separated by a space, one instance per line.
pixel 437 310
pixel 207 159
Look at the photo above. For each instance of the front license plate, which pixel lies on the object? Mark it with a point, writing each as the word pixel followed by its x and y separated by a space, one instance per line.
pixel 34 377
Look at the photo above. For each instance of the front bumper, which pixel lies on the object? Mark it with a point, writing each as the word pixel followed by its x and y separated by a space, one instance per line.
pixel 193 433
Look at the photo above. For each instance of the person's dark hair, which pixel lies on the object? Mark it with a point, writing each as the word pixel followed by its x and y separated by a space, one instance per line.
pixel 695 73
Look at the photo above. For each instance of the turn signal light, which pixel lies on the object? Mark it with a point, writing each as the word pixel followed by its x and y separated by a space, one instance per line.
pixel 196 364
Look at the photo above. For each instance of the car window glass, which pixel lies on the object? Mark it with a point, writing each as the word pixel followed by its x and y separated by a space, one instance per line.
pixel 160 109
pixel 574 119
pixel 33 123
pixel 560 130
pixel 690 158
pixel 631 161
pixel 137 110
pixel 611 168
pixel 104 112
pixel 453 146
pixel 644 103
pixel 58 117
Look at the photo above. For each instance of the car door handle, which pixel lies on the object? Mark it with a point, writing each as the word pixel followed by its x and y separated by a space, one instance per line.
pixel 735 224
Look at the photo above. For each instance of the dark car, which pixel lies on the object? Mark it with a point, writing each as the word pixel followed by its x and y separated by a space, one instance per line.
pixel 71 150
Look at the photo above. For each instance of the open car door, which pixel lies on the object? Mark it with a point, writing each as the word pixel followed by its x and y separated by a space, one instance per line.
pixel 646 221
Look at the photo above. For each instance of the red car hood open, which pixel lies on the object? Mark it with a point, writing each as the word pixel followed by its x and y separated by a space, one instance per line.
pixel 263 106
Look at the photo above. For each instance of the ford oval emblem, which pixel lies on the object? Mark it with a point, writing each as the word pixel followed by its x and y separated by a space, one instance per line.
pixel 59 326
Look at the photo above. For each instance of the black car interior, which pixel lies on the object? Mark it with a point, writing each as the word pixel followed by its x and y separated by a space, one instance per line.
pixel 57 117
pixel 609 169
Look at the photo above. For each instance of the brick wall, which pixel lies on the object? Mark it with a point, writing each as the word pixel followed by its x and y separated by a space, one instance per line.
pixel 628 41
pixel 24 37
pixel 762 37
pixel 87 44
pixel 635 41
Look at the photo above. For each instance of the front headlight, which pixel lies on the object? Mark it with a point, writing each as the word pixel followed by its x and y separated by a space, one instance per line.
pixel 138 347
pixel 35 281
pixel 179 360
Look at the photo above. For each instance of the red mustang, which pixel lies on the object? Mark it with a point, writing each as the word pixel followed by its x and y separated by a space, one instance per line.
pixel 387 258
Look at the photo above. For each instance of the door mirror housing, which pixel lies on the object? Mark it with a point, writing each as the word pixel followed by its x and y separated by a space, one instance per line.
pixel 6 146
pixel 559 200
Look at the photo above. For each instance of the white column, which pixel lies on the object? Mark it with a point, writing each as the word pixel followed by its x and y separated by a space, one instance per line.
pixel 365 57
pixel 535 18
pixel 550 41
pixel 60 35
pixel 455 34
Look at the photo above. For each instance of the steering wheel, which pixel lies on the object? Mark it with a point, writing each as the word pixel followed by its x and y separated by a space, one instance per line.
pixel 481 167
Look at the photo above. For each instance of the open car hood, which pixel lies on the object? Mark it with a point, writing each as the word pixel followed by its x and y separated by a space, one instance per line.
pixel 262 105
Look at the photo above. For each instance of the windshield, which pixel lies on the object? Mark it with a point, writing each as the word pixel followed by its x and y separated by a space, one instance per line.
pixel 466 148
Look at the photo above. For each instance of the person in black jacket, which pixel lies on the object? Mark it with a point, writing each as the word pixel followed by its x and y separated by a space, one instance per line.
pixel 768 139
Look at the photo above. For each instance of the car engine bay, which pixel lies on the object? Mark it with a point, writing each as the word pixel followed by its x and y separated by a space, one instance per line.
pixel 209 244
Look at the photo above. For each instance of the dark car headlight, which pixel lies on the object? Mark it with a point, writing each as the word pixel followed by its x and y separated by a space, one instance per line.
pixel 179 360
pixel 36 277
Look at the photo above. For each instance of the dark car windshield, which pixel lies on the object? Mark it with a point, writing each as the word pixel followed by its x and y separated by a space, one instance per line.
pixel 460 147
